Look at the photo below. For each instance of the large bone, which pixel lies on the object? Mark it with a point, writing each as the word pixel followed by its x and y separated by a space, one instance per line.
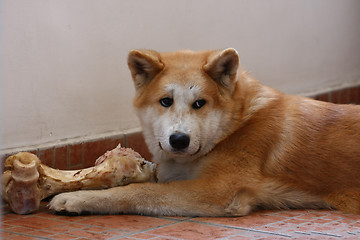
pixel 28 181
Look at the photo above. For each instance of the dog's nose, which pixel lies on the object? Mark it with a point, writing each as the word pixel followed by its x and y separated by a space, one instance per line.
pixel 179 141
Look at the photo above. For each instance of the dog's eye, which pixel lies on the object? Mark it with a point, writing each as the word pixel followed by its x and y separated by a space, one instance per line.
pixel 166 102
pixel 198 104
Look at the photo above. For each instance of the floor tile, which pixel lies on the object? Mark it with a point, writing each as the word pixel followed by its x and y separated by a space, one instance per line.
pixel 295 224
pixel 10 217
pixel 143 236
pixel 7 235
pixel 39 233
pixel 191 230
pixel 35 222
pixel 95 229
pixel 251 221
pixel 240 238
pixel 62 237
pixel 164 238
pixel 291 213
pixel 21 237
pixel 258 235
pixel 69 226
pixel 88 234
pixel 20 229
pixel 295 221
pixel 126 222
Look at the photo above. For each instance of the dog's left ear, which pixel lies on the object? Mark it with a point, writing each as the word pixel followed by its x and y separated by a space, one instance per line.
pixel 144 66
pixel 222 66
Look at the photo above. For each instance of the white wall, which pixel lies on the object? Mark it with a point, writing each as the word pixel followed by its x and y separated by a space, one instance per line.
pixel 63 63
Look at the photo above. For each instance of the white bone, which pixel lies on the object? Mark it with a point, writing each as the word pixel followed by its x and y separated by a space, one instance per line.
pixel 28 181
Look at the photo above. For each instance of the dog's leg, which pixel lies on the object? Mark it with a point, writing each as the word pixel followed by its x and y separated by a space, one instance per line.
pixel 180 198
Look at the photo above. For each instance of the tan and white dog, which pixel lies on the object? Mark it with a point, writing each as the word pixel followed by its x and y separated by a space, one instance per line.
pixel 226 144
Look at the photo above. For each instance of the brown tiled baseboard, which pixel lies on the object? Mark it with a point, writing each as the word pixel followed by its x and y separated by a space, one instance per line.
pixel 350 95
pixel 82 154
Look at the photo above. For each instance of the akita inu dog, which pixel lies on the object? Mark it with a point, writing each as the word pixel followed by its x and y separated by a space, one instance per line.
pixel 226 145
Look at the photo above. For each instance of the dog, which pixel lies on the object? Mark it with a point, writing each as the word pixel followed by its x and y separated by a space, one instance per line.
pixel 227 145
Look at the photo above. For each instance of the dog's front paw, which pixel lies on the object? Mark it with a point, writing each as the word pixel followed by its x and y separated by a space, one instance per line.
pixel 72 202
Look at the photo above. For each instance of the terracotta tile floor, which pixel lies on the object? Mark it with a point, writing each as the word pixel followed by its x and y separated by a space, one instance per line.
pixel 296 224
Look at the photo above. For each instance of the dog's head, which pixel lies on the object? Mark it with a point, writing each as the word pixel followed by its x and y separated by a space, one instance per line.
pixel 184 99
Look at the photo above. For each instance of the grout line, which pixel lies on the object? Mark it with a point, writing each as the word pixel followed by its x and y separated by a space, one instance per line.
pixel 86 225
pixel 155 236
pixel 189 220
pixel 347 95
pixel 82 154
pixel 26 235
pixel 53 157
pixel 149 229
pixel 327 234
pixel 38 152
pixel 242 228
pixel 330 96
pixel 176 221
pixel 170 218
pixel 300 232
pixel 125 140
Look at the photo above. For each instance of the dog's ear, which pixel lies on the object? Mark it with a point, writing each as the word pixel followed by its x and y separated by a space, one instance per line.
pixel 222 66
pixel 144 66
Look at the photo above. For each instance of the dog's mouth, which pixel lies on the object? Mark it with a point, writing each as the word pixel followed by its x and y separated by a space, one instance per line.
pixel 199 149
pixel 180 152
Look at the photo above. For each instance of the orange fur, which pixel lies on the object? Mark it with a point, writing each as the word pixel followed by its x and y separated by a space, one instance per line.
pixel 269 150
